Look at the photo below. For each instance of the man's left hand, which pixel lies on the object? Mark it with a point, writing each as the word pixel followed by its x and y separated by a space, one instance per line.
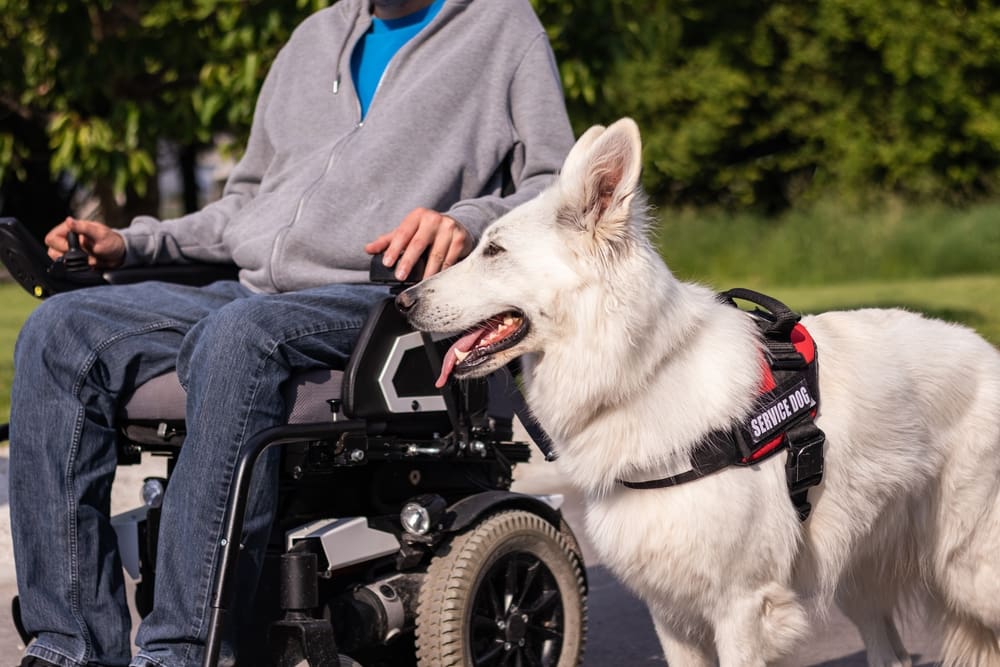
pixel 423 228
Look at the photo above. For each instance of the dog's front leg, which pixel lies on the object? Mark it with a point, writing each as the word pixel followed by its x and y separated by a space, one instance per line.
pixel 883 645
pixel 760 626
pixel 682 651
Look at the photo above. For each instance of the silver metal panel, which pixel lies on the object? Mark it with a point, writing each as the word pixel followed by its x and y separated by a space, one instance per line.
pixel 346 541
pixel 553 500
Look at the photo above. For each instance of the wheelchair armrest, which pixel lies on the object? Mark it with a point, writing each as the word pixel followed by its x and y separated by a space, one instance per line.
pixel 29 264
pixel 183 274
pixel 385 275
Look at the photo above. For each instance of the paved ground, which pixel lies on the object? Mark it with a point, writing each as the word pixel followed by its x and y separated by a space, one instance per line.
pixel 620 631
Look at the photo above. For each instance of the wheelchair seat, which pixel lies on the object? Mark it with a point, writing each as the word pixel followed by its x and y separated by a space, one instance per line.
pixel 387 382
pixel 154 415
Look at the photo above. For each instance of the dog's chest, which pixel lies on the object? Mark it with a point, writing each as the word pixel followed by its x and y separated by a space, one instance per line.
pixel 686 544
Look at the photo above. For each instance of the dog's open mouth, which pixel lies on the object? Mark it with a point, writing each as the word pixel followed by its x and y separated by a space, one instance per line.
pixel 498 333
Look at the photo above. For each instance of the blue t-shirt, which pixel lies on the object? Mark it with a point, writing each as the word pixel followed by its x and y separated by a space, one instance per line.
pixel 377 47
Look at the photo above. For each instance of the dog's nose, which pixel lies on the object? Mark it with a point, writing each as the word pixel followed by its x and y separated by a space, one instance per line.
pixel 405 301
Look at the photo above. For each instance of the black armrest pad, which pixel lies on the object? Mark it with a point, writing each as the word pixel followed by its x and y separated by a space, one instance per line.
pixel 184 274
pixel 385 275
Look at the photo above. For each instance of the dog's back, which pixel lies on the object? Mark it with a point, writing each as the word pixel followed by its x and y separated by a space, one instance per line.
pixel 910 503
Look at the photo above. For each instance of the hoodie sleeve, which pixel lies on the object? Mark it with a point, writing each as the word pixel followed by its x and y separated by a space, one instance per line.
pixel 198 237
pixel 542 138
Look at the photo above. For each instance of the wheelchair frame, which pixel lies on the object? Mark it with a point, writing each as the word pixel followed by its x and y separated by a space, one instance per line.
pixel 454 432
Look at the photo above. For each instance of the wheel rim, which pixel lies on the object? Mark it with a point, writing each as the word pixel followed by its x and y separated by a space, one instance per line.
pixel 517 615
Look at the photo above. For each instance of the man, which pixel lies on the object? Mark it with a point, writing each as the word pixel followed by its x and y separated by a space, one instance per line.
pixel 400 122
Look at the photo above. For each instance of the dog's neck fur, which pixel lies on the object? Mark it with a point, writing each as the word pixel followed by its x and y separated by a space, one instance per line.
pixel 656 337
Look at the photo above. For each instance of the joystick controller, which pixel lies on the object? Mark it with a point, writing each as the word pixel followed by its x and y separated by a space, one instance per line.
pixel 75 259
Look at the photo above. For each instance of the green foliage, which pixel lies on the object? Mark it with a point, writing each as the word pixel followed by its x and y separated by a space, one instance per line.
pixel 760 103
pixel 828 243
pixel 104 80
pixel 743 104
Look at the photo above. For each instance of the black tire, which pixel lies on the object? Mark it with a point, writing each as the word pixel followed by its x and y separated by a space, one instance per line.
pixel 508 592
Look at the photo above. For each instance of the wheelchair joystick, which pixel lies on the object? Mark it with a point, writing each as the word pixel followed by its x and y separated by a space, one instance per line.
pixel 75 259
pixel 73 267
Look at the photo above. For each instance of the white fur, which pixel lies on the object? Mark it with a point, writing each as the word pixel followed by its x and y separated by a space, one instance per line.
pixel 627 368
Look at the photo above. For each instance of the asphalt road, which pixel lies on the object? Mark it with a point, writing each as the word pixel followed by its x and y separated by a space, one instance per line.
pixel 620 631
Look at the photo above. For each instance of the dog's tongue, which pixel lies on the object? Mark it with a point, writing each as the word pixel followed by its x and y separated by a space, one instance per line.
pixel 463 345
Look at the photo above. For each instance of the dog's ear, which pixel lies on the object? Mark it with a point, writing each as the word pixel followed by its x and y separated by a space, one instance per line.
pixel 573 165
pixel 599 180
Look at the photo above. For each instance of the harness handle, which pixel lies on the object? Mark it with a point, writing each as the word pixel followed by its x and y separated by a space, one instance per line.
pixel 782 318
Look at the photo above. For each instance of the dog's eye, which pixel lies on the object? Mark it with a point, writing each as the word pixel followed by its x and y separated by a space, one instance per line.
pixel 492 250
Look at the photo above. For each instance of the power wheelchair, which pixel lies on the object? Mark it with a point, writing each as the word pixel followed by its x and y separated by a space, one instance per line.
pixel 397 539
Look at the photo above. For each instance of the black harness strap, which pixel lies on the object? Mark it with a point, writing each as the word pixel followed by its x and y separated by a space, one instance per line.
pixel 785 412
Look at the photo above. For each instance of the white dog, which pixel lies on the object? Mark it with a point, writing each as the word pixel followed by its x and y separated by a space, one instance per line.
pixel 627 369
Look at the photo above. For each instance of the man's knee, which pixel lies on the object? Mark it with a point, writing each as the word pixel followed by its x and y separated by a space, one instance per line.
pixel 69 330
pixel 53 322
pixel 236 327
pixel 244 335
pixel 235 339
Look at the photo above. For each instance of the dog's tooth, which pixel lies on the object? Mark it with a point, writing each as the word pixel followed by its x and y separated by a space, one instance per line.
pixel 461 355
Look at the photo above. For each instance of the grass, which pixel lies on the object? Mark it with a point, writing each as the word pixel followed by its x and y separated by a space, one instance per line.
pixel 15 306
pixel 827 244
pixel 943 262
pixel 971 300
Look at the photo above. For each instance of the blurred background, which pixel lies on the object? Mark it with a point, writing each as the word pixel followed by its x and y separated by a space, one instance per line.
pixel 835 153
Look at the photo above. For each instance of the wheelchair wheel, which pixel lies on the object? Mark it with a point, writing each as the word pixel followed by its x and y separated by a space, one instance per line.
pixel 508 592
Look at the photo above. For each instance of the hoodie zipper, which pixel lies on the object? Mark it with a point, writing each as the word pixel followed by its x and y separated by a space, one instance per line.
pixel 306 195
pixel 276 246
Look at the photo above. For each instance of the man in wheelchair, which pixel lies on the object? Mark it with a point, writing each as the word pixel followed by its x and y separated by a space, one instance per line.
pixel 416 116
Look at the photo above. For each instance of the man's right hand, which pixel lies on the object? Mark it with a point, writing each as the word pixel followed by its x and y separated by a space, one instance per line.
pixel 104 246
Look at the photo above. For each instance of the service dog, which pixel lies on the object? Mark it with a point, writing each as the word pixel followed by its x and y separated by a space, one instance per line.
pixel 627 368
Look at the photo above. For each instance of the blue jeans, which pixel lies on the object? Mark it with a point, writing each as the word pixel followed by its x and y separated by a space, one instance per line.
pixel 77 359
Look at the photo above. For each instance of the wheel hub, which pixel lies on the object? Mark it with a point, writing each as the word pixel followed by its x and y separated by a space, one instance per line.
pixel 521 599
pixel 516 626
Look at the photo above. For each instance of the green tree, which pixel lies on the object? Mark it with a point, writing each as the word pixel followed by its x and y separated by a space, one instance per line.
pixel 754 103
pixel 92 86
pixel 748 103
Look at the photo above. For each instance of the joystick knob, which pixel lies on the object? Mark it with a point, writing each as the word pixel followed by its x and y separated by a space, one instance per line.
pixel 75 259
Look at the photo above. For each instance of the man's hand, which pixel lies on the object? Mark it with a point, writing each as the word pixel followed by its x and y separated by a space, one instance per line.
pixel 104 246
pixel 423 228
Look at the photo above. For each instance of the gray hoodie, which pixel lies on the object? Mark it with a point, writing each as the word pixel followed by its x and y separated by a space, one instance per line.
pixel 475 90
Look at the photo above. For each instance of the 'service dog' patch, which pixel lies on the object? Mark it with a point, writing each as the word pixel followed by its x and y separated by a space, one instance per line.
pixel 786 407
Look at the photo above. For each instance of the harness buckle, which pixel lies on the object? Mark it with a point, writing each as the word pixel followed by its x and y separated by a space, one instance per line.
pixel 783 355
pixel 804 466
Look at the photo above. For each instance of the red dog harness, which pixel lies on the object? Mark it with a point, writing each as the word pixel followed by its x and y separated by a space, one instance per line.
pixel 782 417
